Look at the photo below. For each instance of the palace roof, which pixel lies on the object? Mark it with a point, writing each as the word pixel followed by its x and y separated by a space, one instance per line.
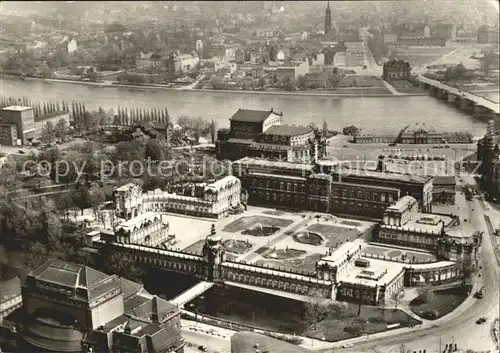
pixel 126 187
pixel 389 176
pixel 288 130
pixel 263 163
pixel 139 221
pixel 403 204
pixel 444 180
pixel 340 254
pixel 222 183
pixel 253 116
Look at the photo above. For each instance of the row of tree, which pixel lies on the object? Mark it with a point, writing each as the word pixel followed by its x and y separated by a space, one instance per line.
pixel 126 116
pixel 48 107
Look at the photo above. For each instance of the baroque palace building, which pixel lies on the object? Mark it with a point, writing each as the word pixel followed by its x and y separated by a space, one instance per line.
pixel 329 187
pixel 74 308
pixel 213 200
pixel 261 134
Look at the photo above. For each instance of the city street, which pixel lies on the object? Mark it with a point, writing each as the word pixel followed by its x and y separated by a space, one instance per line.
pixel 460 326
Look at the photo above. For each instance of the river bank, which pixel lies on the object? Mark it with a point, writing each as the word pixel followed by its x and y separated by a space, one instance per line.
pixel 363 92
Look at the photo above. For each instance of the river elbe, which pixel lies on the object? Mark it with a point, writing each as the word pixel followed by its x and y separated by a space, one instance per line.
pixel 376 114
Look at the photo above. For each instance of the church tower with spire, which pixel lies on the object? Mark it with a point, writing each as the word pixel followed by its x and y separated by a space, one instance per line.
pixel 328 19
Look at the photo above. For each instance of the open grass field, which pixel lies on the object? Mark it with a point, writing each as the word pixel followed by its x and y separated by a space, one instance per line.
pixel 413 256
pixel 332 234
pixel 250 222
pixel 345 323
pixel 303 264
pixel 440 302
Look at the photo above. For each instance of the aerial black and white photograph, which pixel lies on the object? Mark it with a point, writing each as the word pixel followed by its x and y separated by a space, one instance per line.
pixel 250 176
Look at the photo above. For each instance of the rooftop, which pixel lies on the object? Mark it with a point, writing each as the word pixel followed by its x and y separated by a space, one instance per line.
pixel 139 220
pixel 444 180
pixel 126 187
pixel 341 252
pixel 254 162
pixel 287 177
pixel 403 204
pixel 17 108
pixel 76 276
pixel 378 273
pixel 253 116
pixel 392 176
pixel 425 223
pixel 287 130
pixel 221 183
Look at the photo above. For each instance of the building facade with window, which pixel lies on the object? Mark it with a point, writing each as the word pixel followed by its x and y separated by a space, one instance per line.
pixel 394 70
pixel 24 120
pixel 214 200
pixel 260 134
pixel 317 187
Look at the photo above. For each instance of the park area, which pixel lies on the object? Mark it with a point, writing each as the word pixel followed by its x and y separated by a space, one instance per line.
pixel 246 223
pixel 432 303
pixel 345 320
pixel 294 242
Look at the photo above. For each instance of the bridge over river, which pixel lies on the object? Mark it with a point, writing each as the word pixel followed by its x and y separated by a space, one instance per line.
pixel 466 100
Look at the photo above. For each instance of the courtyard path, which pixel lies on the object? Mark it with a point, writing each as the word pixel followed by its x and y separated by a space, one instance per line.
pixel 282 234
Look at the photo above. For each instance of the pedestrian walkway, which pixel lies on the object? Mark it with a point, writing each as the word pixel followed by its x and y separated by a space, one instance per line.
pixel 282 234
pixel 191 293
pixel 392 89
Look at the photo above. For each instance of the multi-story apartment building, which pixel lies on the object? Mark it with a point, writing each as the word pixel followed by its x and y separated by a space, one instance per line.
pixel 24 120
pixel 52 118
pixel 394 70
pixel 292 72
pixel 147 61
pixel 8 134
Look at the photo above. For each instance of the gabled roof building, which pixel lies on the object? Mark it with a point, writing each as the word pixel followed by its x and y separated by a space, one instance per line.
pixel 74 308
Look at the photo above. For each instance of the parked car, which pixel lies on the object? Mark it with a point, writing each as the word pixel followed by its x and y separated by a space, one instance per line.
pixel 203 348
pixel 347 345
pixel 21 151
pixel 481 320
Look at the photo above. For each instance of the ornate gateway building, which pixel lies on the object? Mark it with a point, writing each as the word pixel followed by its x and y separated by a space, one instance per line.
pixel 214 200
pixel 260 133
pixel 403 225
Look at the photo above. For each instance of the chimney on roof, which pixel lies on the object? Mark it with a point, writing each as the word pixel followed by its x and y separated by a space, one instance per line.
pixel 271 109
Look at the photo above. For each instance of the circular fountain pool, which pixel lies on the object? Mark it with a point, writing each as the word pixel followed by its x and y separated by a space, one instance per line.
pixel 307 237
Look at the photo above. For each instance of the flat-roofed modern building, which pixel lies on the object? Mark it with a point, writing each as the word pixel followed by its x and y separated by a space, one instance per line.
pixel 24 120
pixel 8 134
